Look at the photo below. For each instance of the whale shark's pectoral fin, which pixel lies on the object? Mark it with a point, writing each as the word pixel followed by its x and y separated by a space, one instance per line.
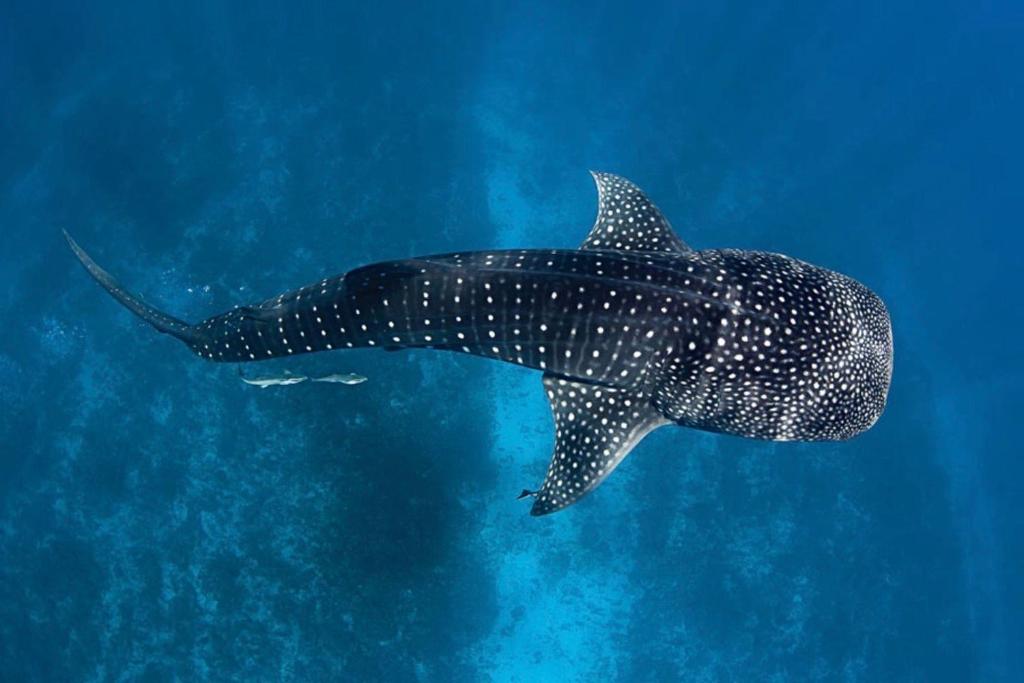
pixel 595 428
pixel 628 221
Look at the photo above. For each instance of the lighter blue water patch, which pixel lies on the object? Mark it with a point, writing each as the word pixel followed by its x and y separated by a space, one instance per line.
pixel 160 520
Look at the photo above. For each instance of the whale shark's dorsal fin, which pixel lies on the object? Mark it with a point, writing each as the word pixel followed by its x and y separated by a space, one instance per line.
pixel 595 428
pixel 628 221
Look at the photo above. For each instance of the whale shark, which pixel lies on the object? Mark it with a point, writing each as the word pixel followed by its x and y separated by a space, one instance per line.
pixel 633 331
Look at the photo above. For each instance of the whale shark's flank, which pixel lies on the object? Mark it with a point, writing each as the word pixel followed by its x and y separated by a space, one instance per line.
pixel 633 331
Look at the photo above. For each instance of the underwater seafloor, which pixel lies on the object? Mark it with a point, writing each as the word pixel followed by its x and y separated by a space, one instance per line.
pixel 159 520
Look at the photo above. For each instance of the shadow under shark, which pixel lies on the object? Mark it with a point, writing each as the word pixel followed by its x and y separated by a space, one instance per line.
pixel 633 331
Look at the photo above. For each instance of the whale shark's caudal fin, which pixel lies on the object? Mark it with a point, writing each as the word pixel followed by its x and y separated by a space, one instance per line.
pixel 157 319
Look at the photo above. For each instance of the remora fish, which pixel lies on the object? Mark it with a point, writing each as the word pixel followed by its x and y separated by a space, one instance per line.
pixel 346 378
pixel 634 330
pixel 273 381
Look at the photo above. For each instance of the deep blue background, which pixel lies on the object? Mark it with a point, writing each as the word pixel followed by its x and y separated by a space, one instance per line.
pixel 159 520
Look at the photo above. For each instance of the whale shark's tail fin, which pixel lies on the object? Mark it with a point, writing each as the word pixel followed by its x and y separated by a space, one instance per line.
pixel 157 319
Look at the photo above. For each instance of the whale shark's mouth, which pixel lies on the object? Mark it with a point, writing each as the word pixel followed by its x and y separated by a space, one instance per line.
pixel 887 352
pixel 877 355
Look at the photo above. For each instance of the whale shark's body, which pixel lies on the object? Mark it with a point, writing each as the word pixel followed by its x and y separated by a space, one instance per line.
pixel 633 331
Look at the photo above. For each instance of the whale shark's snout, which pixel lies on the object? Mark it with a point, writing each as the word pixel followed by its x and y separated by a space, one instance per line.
pixel 871 360
pixel 882 348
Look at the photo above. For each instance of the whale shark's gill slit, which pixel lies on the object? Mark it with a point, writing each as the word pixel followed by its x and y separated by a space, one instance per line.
pixel 158 319
pixel 588 381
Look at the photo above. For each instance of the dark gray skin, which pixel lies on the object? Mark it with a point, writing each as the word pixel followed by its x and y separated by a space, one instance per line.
pixel 632 331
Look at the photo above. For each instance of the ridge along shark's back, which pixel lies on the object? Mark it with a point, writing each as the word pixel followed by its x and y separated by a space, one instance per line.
pixel 633 331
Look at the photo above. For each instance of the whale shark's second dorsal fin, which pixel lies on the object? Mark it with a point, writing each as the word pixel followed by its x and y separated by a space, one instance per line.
pixel 595 428
pixel 628 221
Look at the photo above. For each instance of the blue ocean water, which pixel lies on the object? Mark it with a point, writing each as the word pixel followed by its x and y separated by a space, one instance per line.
pixel 159 520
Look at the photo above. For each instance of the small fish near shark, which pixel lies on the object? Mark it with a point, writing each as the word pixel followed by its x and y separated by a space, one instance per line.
pixel 287 378
pixel 633 331
pixel 283 380
pixel 349 378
